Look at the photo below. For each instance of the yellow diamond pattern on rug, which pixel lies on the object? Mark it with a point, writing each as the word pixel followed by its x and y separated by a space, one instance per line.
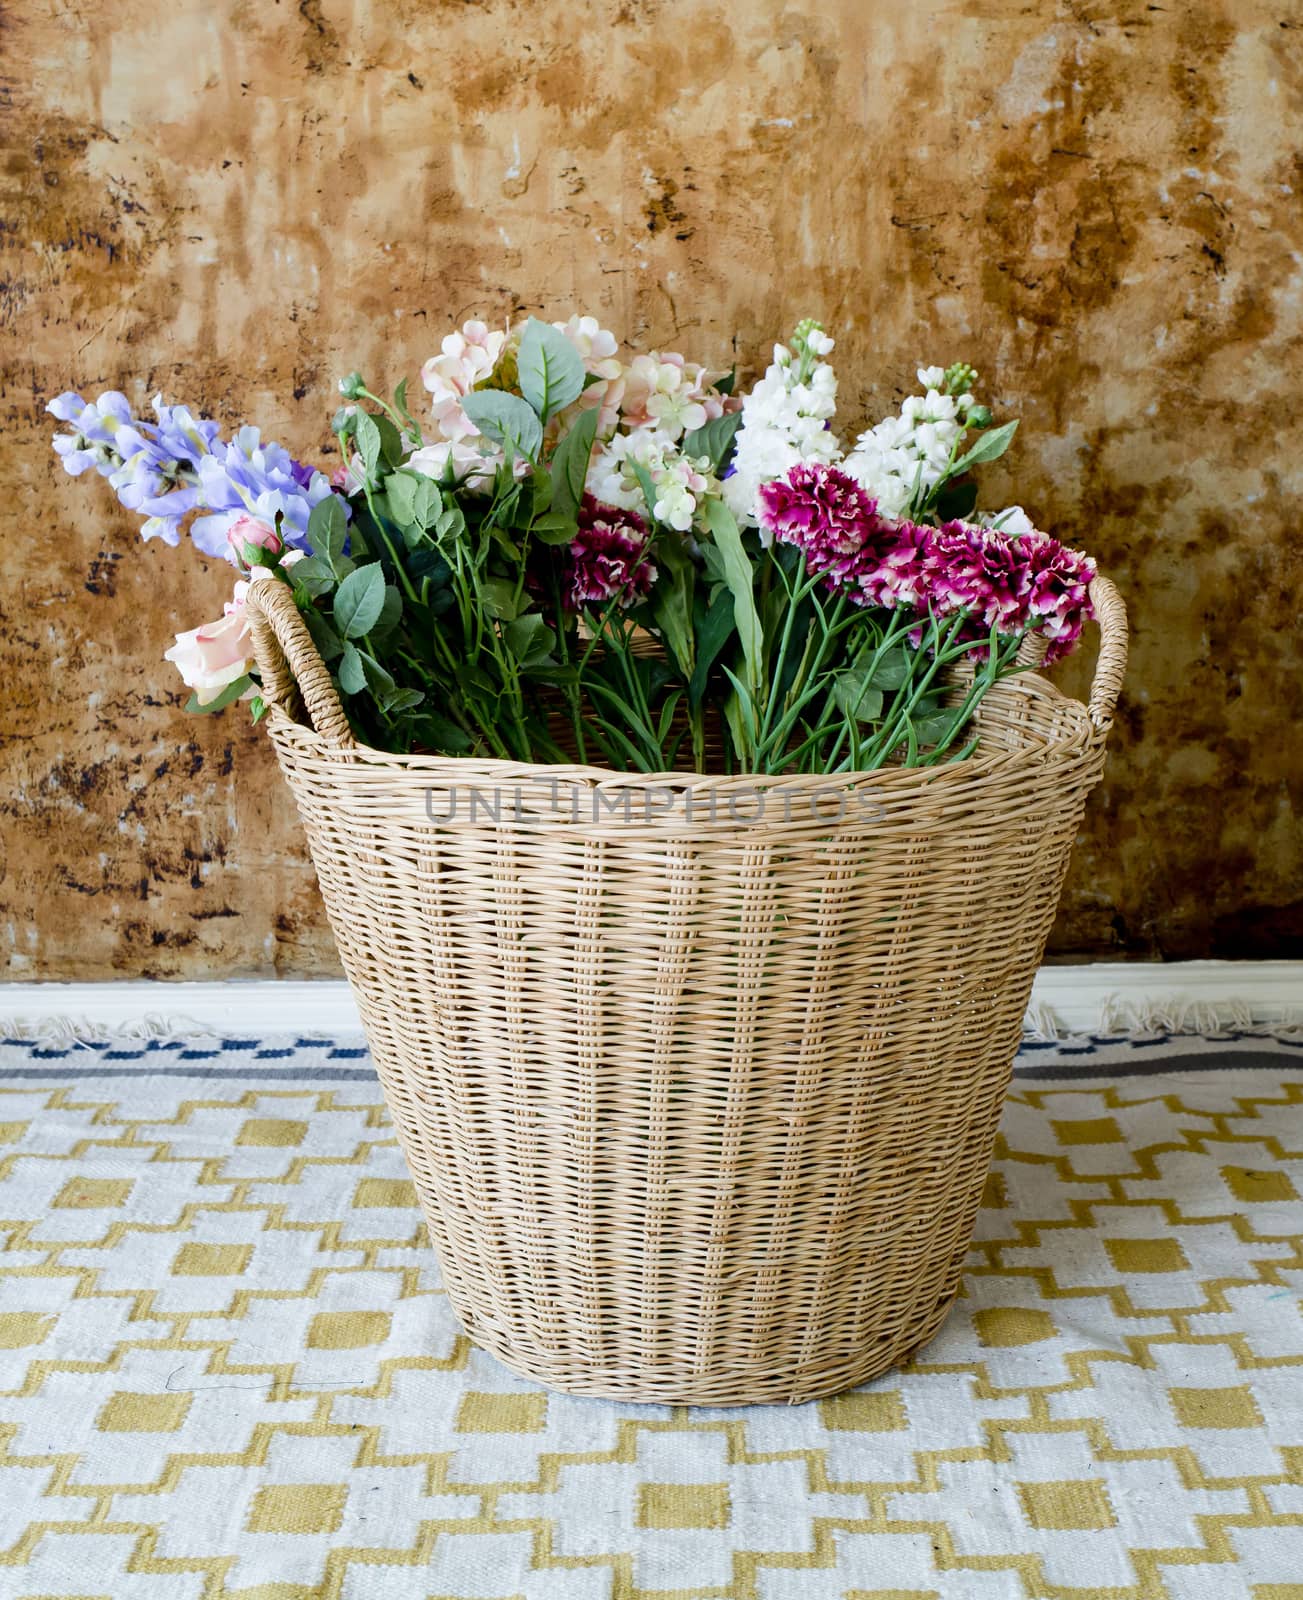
pixel 227 1369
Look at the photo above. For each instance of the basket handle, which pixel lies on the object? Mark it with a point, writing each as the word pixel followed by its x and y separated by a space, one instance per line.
pixel 289 663
pixel 1111 665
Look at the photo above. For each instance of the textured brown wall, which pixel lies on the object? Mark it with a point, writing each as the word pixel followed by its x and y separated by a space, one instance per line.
pixel 236 202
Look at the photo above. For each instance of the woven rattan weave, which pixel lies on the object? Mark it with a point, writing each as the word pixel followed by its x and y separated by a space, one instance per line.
pixel 697 1077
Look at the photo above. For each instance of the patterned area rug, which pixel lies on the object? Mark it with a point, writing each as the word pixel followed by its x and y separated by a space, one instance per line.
pixel 227 1369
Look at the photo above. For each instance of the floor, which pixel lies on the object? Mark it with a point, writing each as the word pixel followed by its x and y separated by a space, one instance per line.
pixel 227 1368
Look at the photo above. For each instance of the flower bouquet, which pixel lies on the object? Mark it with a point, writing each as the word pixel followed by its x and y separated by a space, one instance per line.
pixel 698 1098
pixel 623 561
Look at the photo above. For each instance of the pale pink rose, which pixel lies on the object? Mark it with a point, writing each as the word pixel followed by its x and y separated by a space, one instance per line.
pixel 217 653
pixel 248 530
pixel 477 467
pixel 348 476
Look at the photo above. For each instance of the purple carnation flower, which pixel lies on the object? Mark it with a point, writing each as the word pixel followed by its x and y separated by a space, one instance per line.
pixel 1058 601
pixel 824 513
pixel 980 571
pixel 899 575
pixel 1009 582
pixel 606 559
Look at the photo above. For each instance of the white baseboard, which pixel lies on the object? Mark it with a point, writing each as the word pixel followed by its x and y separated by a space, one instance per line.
pixel 1115 997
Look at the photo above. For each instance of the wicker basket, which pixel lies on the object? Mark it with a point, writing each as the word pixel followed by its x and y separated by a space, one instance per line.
pixel 699 1104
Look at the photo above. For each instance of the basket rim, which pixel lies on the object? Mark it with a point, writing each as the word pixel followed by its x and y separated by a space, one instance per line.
pixel 1079 738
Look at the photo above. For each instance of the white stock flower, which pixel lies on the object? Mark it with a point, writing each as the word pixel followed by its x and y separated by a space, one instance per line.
pixel 909 453
pixel 783 422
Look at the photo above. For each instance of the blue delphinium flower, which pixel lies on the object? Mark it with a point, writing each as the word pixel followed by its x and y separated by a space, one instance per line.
pixel 249 478
pixel 92 430
pixel 168 469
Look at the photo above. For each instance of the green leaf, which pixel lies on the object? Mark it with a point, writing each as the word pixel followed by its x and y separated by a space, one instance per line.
pixel 554 528
pixel 714 624
pixel 328 528
pixel 672 603
pixel 400 491
pixel 893 668
pixel 368 442
pixel 550 369
pixel 740 578
pixel 852 694
pixel 390 612
pixel 507 420
pixel 403 700
pixel 739 715
pixel 352 674
pixel 449 523
pixel 231 692
pixel 727 383
pixel 529 638
pixel 505 543
pixel 632 718
pixel 956 500
pixel 329 645
pixel 988 448
pixel 391 441
pixel 714 440
pixel 570 462
pixel 498 597
pixel 935 726
pixel 474 679
pixel 443 735
pixel 379 680
pixel 359 600
pixel 313 575
pixel 714 563
pixel 429 564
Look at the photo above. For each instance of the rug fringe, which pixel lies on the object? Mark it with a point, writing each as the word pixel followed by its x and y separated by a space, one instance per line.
pixel 1040 1023
pixel 153 1027
pixel 1118 1019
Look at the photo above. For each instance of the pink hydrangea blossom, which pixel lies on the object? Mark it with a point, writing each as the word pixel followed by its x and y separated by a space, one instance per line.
pixel 466 359
pixel 608 557
pixel 596 345
pixel 671 395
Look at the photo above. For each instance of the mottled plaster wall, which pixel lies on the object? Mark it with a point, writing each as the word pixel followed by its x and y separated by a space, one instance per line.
pixel 236 202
